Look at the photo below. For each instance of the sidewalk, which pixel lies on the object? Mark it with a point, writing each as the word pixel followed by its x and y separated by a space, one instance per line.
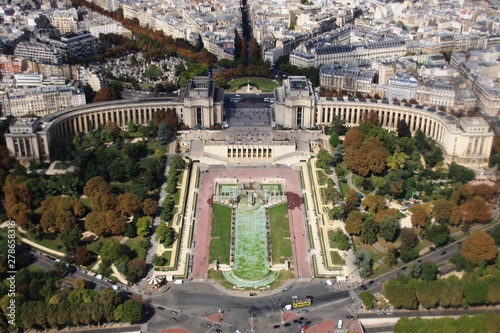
pixel 319 224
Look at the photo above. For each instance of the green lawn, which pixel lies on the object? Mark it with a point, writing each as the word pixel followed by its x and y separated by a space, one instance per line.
pixel 400 215
pixel 220 243
pixel 133 243
pixel 280 234
pixel 344 187
pixel 94 245
pixel 154 145
pixel 54 244
pixel 336 258
pixel 115 152
pixel 146 162
pixel 263 84
pixel 321 177
pixel 86 202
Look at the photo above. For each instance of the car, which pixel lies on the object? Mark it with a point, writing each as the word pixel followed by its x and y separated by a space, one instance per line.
pixel 217 325
pixel 207 325
pixel 276 326
pixel 160 308
pixel 173 312
pixel 295 296
pixel 173 319
pixel 363 287
pixel 349 316
pixel 253 294
pixel 304 311
pixel 301 318
pixel 370 282
pixel 404 268
pixel 310 297
pixel 218 330
pixel 287 288
pixel 443 253
pixel 287 324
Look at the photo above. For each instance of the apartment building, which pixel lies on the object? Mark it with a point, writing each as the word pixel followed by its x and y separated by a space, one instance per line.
pixel 342 53
pixel 38 52
pixel 40 101
pixel 65 20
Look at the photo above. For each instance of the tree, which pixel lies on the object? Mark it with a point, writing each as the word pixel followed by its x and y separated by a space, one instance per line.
pixel 338 239
pixel 401 295
pixel 128 204
pixel 353 138
pixel 337 213
pixel 419 215
pixel 71 238
pixel 388 228
pixel 165 234
pixel 408 237
pixel 354 223
pixel 95 186
pixel 95 222
pixel 82 256
pixel 479 246
pixel 373 203
pixel 109 300
pixel 149 207
pixel 59 213
pixel 462 264
pixel 351 200
pixel 397 160
pixel 110 251
pixel 369 231
pixel 459 173
pixel 495 234
pixel 364 262
pixel 106 94
pixel 143 226
pixel 153 72
pixel 429 271
pixel 476 292
pixel 475 210
pixel 129 312
pixel 339 127
pixel 166 134
pixel 334 139
pixel 368 299
pixel 161 260
pixel 136 270
pixel 442 210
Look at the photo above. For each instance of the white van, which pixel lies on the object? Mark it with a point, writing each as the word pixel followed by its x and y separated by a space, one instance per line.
pixel 329 282
pixel 340 324
pixel 178 281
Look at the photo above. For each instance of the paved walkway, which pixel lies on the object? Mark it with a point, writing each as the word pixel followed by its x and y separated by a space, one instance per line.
pixel 320 224
pixel 302 265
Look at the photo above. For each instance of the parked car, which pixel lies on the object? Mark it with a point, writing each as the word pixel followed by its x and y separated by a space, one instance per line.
pixel 160 308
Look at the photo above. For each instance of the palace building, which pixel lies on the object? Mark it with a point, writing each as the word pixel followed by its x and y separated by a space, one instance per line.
pixel 297 105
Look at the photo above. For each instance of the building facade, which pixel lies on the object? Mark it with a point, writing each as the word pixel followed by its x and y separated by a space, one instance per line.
pixel 297 105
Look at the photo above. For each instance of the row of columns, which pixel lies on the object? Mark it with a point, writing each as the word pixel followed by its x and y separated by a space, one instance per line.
pixel 249 152
pixel 388 119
